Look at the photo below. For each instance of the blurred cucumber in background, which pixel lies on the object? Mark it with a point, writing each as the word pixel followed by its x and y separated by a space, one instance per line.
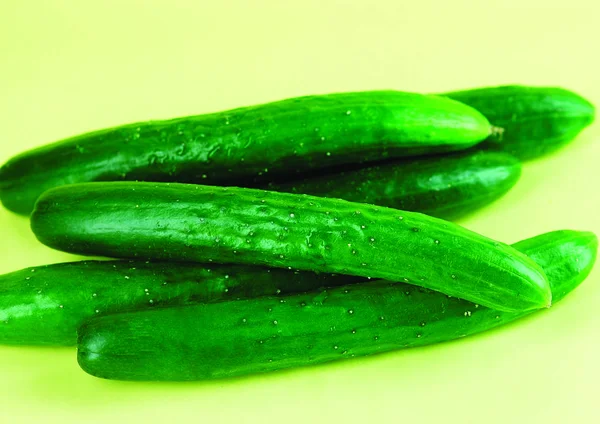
pixel 535 121
pixel 445 186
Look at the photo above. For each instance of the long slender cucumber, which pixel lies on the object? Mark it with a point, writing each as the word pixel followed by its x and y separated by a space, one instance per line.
pixel 445 186
pixel 186 222
pixel 45 305
pixel 234 338
pixel 285 137
pixel 535 120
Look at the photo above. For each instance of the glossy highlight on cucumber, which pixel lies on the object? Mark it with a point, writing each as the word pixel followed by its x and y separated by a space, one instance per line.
pixel 444 186
pixel 234 338
pixel 535 120
pixel 185 222
pixel 236 146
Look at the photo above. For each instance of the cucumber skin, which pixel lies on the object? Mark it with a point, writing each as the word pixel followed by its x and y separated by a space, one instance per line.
pixel 235 338
pixel 184 222
pixel 45 305
pixel 447 187
pixel 536 120
pixel 285 137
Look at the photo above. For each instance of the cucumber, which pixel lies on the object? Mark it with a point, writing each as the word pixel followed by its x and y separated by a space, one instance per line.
pixel 536 120
pixel 185 222
pixel 45 305
pixel 446 187
pixel 285 137
pixel 234 338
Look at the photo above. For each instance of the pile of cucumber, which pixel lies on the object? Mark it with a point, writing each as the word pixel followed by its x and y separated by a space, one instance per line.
pixel 287 234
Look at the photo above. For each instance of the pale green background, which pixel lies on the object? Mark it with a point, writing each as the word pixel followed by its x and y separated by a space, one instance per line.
pixel 70 66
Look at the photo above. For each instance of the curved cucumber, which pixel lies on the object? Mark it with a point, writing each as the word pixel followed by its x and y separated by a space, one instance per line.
pixel 45 305
pixel 536 120
pixel 289 136
pixel 234 338
pixel 442 186
pixel 185 222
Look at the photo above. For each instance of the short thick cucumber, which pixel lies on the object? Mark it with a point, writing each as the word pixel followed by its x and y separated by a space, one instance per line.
pixel 185 222
pixel 285 137
pixel 443 186
pixel 233 338
pixel 45 305
pixel 536 120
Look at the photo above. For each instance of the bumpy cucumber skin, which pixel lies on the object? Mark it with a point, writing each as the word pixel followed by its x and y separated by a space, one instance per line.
pixel 447 187
pixel 536 120
pixel 45 305
pixel 185 222
pixel 289 136
pixel 234 338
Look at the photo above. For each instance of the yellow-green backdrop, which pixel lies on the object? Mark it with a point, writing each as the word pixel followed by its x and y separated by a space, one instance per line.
pixel 69 66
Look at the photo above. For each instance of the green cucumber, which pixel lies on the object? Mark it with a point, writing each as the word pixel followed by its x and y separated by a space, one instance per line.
pixel 536 120
pixel 45 305
pixel 285 137
pixel 234 338
pixel 186 222
pixel 442 186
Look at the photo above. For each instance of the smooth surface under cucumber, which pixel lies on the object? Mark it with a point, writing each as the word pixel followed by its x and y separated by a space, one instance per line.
pixel 186 222
pixel 45 305
pixel 233 338
pixel 442 186
pixel 536 120
pixel 285 137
